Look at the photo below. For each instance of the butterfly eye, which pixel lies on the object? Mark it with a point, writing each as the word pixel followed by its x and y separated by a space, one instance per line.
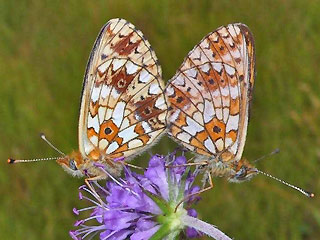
pixel 72 165
pixel 242 173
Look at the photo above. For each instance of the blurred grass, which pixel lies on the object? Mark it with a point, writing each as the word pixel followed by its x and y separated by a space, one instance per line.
pixel 44 48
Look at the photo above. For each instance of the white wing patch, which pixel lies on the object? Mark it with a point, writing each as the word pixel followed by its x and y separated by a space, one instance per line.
pixel 94 123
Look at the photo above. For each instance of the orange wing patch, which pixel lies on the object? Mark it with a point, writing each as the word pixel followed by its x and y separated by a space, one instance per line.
pixel 216 129
pixel 108 130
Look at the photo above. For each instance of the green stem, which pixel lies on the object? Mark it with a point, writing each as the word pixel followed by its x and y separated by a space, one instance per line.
pixel 163 231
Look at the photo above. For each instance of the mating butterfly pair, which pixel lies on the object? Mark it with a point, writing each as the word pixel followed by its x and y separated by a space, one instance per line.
pixel 125 106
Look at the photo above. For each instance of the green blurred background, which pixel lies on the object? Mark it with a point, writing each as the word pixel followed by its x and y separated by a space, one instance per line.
pixel 44 47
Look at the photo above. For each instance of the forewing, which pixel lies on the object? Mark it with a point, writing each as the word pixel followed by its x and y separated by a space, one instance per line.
pixel 210 94
pixel 123 107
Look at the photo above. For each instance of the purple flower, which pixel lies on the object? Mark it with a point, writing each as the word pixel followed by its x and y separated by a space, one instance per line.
pixel 139 206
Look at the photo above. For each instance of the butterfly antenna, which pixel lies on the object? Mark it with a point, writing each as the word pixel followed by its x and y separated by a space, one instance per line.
pixel 50 144
pixel 11 160
pixel 306 193
pixel 277 150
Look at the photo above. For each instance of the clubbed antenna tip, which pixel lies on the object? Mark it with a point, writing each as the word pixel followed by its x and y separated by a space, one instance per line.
pixel 277 150
pixel 311 195
pixel 11 160
pixel 44 138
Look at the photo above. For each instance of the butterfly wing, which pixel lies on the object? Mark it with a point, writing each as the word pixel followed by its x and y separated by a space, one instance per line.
pixel 123 107
pixel 210 94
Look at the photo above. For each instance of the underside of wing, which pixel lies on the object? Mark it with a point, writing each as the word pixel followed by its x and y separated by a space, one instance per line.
pixel 209 96
pixel 123 107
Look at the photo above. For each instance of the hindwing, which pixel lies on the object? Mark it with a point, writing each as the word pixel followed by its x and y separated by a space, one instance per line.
pixel 123 108
pixel 210 94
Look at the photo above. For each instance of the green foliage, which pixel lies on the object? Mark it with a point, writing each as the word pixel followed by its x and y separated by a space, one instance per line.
pixel 44 49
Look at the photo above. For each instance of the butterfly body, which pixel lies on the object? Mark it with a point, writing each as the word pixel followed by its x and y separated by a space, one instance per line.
pixel 234 171
pixel 123 108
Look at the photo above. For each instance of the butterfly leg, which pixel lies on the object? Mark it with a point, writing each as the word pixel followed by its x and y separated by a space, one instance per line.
pixel 196 193
pixel 188 164
pixel 191 159
pixel 133 166
pixel 94 192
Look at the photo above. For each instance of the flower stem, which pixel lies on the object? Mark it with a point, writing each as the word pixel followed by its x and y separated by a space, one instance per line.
pixel 204 227
pixel 163 231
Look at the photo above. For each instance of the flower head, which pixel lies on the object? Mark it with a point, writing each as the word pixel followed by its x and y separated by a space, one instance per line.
pixel 141 206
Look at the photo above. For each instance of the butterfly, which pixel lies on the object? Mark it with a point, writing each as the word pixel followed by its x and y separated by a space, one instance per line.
pixel 123 108
pixel 209 98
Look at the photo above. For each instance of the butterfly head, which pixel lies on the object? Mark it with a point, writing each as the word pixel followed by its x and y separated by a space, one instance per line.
pixel 244 171
pixel 71 163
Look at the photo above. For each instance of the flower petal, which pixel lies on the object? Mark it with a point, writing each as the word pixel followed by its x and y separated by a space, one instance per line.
pixel 121 235
pixel 193 190
pixel 131 197
pixel 117 220
pixel 105 234
pixel 98 213
pixel 73 235
pixel 145 235
pixel 180 160
pixel 120 197
pixel 193 213
pixel 144 224
pixel 192 233
pixel 157 175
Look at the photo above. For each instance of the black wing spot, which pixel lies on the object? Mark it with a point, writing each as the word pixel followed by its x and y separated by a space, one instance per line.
pixel 147 111
pixel 179 99
pixel 216 129
pixel 107 131
pixel 103 56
